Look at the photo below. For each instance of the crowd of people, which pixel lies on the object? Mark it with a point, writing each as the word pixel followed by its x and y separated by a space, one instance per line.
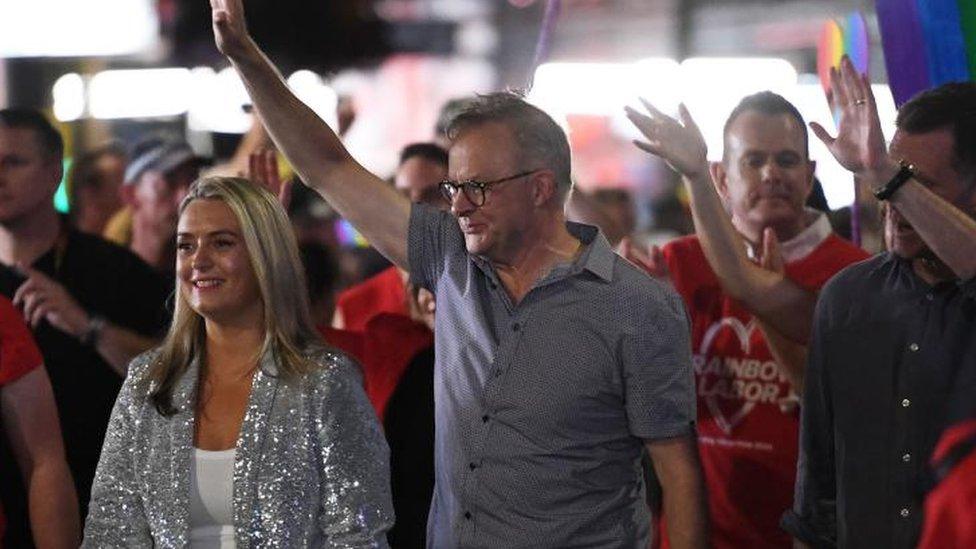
pixel 188 359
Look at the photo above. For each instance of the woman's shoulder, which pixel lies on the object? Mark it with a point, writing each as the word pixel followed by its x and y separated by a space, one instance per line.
pixel 330 370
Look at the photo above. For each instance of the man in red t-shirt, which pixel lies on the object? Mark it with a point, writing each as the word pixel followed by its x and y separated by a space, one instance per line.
pixel 744 314
pixel 29 420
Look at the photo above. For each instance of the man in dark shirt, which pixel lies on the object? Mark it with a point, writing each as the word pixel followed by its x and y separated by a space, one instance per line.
pixel 92 305
pixel 893 334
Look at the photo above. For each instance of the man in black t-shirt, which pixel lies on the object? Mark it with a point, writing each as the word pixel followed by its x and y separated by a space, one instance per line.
pixel 92 305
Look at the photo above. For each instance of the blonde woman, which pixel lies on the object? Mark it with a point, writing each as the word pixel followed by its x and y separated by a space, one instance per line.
pixel 241 429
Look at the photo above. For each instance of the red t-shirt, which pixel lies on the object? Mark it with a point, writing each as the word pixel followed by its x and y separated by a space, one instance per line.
pixel 748 416
pixel 950 509
pixel 382 293
pixel 18 355
pixel 384 349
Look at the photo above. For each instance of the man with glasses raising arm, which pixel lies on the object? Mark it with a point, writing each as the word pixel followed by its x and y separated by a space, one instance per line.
pixel 558 362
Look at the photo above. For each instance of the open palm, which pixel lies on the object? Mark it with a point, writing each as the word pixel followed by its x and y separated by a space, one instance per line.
pixel 229 26
pixel 859 144
pixel 680 144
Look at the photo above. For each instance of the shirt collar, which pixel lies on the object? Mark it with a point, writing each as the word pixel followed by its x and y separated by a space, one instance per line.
pixel 597 255
pixel 803 243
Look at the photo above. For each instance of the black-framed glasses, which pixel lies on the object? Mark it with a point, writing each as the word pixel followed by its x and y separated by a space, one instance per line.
pixel 474 191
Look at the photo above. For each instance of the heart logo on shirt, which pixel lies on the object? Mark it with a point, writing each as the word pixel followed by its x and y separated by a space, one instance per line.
pixel 743 332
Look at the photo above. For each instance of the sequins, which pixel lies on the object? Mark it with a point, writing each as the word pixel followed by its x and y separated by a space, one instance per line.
pixel 311 468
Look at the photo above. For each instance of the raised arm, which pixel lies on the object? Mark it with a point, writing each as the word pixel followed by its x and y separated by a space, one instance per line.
pixel 776 300
pixel 315 151
pixel 860 147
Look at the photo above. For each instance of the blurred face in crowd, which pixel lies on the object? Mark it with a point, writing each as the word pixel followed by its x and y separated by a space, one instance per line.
pixel 932 153
pixel 765 175
pixel 496 229
pixel 156 196
pixel 28 176
pixel 213 264
pixel 103 195
pixel 417 179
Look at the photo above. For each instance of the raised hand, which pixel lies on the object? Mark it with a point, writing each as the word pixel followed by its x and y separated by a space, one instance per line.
pixel 680 144
pixel 652 261
pixel 229 27
pixel 263 170
pixel 859 145
pixel 771 255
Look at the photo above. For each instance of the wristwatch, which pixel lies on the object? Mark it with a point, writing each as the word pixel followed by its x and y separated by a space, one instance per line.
pixel 93 331
pixel 906 172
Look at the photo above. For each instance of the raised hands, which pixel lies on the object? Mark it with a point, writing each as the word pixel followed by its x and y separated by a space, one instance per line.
pixel 680 144
pixel 859 145
pixel 263 170
pixel 229 27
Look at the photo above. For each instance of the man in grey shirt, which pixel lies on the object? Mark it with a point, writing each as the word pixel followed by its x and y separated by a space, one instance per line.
pixel 558 363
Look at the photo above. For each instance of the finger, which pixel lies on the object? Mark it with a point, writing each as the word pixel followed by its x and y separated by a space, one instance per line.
pixel 868 91
pixel 840 95
pixel 252 168
pixel 822 134
pixel 652 109
pixel 40 313
pixel 642 122
pixel 772 257
pixel 648 147
pixel 30 302
pixel 284 195
pixel 623 248
pixel 849 80
pixel 26 288
pixel 829 94
pixel 686 118
pixel 271 170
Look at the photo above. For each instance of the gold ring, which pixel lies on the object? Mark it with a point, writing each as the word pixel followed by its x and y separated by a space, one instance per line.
pixel 860 101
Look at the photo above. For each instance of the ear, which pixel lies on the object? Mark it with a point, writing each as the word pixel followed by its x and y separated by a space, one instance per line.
pixel 544 188
pixel 811 172
pixel 719 178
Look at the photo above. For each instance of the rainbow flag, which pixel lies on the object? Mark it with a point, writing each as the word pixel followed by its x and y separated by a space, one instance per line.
pixel 926 43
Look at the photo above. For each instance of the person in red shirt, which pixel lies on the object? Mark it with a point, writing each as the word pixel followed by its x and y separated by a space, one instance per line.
pixel 30 422
pixel 749 322
pixel 950 508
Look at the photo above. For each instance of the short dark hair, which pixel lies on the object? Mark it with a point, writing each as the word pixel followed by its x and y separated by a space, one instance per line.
pixel 538 137
pixel 951 106
pixel 769 104
pixel 29 119
pixel 427 151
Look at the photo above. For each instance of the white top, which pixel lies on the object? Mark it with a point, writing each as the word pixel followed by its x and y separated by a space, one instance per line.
pixel 212 499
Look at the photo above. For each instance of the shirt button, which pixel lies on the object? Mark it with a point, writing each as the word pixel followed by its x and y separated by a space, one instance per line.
pixel 904 512
pixel 913 347
pixel 484 419
pixel 467 515
pixel 906 458
pixel 905 403
pixel 929 297
pixel 515 327
pixel 472 466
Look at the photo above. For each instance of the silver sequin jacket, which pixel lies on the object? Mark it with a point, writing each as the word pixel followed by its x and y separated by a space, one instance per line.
pixel 311 467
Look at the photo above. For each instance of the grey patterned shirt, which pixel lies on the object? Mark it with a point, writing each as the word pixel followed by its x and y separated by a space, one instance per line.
pixel 541 406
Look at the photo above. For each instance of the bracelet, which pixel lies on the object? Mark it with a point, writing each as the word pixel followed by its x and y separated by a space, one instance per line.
pixel 93 331
pixel 906 172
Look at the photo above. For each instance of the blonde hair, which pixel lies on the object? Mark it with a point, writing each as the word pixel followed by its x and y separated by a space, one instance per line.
pixel 270 243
